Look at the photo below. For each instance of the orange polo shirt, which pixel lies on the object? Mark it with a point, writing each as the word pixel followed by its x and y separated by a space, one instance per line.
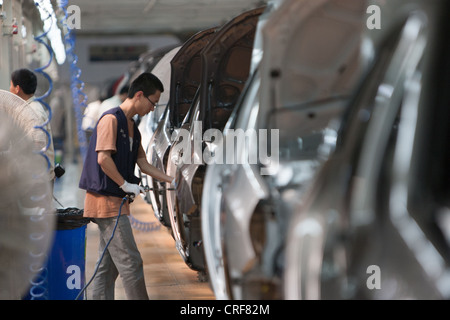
pixel 97 205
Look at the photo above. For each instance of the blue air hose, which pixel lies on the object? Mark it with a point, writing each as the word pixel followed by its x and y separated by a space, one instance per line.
pixel 46 94
pixel 77 85
pixel 38 289
pixel 143 226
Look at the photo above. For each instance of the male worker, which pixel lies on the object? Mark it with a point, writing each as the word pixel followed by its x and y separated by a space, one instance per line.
pixel 108 176
pixel 24 84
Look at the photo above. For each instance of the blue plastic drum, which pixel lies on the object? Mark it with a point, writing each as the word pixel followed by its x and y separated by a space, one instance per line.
pixel 66 264
pixel 63 277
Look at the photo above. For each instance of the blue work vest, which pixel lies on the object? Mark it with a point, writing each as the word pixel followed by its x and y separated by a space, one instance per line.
pixel 93 178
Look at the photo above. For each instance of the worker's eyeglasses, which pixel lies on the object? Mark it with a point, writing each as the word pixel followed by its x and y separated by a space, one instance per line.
pixel 154 104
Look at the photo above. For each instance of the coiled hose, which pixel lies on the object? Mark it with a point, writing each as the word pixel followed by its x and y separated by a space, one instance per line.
pixel 143 226
pixel 77 85
pixel 38 289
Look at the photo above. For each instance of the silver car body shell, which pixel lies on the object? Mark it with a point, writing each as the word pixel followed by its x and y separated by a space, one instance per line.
pixel 215 176
pixel 149 122
pixel 230 35
pixel 193 49
pixel 175 160
pixel 168 126
pixel 216 180
pixel 310 62
pixel 158 146
pixel 343 228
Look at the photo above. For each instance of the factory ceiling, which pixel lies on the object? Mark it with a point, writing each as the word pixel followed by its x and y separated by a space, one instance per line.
pixel 122 17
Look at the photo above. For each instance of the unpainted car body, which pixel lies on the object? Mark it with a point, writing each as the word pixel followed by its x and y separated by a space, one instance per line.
pixel 148 123
pixel 187 74
pixel 225 67
pixel 374 224
pixel 216 174
pixel 310 66
pixel 185 80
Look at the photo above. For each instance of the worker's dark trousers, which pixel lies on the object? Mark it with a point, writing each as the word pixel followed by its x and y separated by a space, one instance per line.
pixel 121 258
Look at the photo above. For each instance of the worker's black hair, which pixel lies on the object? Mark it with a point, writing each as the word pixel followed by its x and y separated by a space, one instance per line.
pixel 147 83
pixel 25 79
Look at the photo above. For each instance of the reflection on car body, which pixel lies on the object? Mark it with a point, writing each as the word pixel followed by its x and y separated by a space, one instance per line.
pixel 148 123
pixel 226 65
pixel 216 180
pixel 307 74
pixel 185 80
pixel 370 225
pixel 217 174
pixel 187 74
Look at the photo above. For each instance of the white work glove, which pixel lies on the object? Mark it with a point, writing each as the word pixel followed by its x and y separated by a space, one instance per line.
pixel 132 188
pixel 173 184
